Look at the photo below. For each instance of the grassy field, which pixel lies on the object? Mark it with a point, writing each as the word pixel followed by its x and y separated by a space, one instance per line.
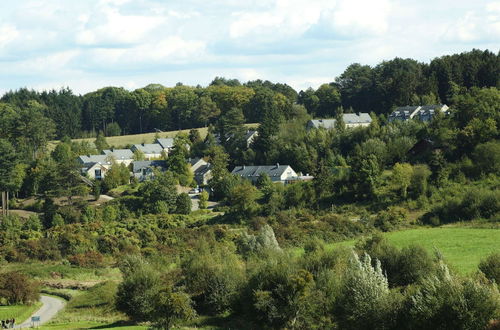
pixel 462 248
pixel 124 140
pixel 18 312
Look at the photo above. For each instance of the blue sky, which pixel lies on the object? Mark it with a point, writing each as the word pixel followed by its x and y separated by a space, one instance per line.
pixel 90 44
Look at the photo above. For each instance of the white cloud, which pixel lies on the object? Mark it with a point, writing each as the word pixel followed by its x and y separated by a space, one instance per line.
pixel 8 33
pixel 476 25
pixel 115 28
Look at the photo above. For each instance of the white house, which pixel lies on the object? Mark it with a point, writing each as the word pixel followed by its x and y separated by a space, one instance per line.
pixel 202 170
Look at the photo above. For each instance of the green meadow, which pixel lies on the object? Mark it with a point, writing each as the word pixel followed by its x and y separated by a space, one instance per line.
pixel 462 248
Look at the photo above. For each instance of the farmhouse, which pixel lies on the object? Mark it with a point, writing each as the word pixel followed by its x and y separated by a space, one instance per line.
pixel 351 120
pixel 277 173
pixel 419 112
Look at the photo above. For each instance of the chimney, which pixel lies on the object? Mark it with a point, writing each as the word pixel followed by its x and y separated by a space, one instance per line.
pixel 277 165
pixel 243 166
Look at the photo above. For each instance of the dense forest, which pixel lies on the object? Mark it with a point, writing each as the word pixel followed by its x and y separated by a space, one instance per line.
pixel 261 257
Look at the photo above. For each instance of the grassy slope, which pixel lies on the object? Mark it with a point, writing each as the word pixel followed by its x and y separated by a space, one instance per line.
pixel 462 248
pixel 91 308
pixel 19 312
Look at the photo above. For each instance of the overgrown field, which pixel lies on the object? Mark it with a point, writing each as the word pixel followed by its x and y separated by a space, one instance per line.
pixel 462 248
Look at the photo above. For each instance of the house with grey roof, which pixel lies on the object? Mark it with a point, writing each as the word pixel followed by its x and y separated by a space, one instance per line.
pixel 144 169
pixel 277 173
pixel 423 113
pixel 166 143
pixel 351 120
pixel 95 166
pixel 150 150
pixel 201 169
pixel 120 156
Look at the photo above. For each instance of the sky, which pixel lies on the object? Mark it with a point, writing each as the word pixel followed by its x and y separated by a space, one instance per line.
pixel 90 44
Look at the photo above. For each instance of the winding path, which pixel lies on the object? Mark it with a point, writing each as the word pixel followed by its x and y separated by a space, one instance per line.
pixel 50 307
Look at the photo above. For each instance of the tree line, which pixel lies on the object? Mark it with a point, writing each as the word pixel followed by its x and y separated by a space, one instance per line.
pixel 360 88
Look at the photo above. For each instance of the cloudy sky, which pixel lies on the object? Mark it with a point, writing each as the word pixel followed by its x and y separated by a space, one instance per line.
pixel 90 44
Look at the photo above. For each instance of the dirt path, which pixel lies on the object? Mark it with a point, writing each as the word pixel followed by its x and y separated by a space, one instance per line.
pixel 51 306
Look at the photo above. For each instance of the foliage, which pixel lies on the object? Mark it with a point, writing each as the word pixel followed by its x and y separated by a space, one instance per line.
pixel 136 294
pixel 17 288
pixel 490 267
pixel 183 204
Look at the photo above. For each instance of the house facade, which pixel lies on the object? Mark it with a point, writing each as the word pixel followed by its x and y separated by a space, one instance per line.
pixel 277 173
pixel 351 120
pixel 423 113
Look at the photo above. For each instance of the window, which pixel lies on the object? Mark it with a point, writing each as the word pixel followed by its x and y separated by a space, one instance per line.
pixel 97 173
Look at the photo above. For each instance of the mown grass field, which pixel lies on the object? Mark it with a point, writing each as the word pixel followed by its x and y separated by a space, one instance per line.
pixel 125 140
pixel 18 312
pixel 462 248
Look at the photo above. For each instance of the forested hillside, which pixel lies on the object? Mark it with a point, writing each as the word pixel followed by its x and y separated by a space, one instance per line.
pixel 360 88
pixel 261 254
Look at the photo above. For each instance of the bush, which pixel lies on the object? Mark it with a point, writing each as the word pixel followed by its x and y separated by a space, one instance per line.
pixel 17 288
pixel 491 267
pixel 214 279
pixel 141 284
pixel 183 204
pixel 443 302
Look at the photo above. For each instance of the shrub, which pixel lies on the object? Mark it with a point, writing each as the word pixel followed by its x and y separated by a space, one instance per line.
pixel 17 288
pixel 443 302
pixel 363 301
pixel 214 279
pixel 170 307
pixel 183 204
pixel 141 284
pixel 491 267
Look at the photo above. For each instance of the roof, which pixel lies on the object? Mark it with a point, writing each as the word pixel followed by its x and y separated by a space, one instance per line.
pixel 250 133
pixel 254 171
pixel 119 153
pixel 149 148
pixel 166 142
pixel 202 170
pixel 90 159
pixel 348 118
pixel 138 165
pixel 353 118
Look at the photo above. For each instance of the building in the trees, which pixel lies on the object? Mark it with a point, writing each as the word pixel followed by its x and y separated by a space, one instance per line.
pixel 418 112
pixel 249 137
pixel 351 120
pixel 150 150
pixel 120 156
pixel 166 143
pixel 95 166
pixel 201 169
pixel 144 169
pixel 277 173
